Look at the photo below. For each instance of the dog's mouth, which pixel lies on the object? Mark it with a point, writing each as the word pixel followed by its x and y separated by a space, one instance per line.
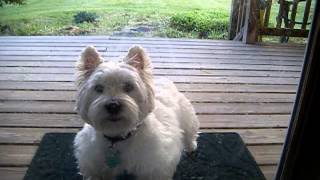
pixel 114 118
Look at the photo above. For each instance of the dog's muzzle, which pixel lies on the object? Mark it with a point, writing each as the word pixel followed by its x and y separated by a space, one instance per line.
pixel 113 106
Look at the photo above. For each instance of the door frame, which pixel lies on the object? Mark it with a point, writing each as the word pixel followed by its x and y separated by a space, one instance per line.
pixel 301 153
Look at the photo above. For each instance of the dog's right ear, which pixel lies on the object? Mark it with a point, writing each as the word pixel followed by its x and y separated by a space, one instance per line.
pixel 88 62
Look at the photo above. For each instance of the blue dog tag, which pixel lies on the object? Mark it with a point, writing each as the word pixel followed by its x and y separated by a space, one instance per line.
pixel 112 158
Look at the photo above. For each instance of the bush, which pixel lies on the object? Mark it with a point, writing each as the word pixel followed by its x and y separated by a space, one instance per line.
pixel 204 23
pixel 83 16
pixel 5 29
pixel 3 2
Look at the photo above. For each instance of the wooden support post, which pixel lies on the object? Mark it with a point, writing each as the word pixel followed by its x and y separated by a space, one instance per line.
pixel 243 14
pixel 279 17
pixel 235 6
pixel 293 14
pixel 240 16
pixel 306 14
pixel 267 14
pixel 251 26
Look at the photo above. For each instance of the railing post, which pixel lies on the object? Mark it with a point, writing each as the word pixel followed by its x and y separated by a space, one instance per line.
pixel 267 14
pixel 251 26
pixel 234 18
pixel 306 14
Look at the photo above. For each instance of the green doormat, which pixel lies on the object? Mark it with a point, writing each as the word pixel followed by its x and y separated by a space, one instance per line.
pixel 220 156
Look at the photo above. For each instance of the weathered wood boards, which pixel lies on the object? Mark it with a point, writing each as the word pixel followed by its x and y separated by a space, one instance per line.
pixel 234 87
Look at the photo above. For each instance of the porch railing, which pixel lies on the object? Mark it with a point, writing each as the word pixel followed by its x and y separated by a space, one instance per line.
pixel 249 20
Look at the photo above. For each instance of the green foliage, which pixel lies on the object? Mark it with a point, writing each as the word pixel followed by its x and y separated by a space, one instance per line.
pixel 2 2
pixel 203 22
pixel 174 33
pixel 84 16
pixel 56 17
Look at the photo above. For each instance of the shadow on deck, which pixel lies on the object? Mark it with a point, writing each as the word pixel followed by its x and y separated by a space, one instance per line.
pixel 234 87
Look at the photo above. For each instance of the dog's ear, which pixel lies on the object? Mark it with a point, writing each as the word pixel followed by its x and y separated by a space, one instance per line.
pixel 138 58
pixel 89 60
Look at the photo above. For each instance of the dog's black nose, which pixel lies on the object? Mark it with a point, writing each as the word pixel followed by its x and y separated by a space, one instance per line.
pixel 113 106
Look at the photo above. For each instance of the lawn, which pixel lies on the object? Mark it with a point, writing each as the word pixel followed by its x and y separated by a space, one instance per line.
pixel 150 17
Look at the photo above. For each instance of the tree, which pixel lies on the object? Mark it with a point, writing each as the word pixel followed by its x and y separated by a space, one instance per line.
pixel 2 2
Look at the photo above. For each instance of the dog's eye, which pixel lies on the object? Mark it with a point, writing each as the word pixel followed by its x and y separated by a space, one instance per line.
pixel 128 87
pixel 98 88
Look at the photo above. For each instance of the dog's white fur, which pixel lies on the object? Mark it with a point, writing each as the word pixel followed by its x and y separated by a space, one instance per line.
pixel 168 121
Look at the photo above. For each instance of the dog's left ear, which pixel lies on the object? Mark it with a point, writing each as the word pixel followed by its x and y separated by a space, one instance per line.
pixel 138 58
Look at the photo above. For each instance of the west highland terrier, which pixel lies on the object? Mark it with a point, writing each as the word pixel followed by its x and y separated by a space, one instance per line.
pixel 132 127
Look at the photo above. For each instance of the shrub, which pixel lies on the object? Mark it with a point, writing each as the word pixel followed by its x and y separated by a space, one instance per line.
pixel 5 29
pixel 19 2
pixel 202 22
pixel 183 22
pixel 83 16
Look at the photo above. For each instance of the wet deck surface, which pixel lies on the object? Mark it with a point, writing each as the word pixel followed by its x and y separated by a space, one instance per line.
pixel 248 89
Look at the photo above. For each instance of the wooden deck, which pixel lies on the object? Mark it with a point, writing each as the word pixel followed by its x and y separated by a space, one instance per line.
pixel 249 89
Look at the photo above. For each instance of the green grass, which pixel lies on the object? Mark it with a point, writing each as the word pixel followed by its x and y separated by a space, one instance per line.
pixel 166 17
pixel 50 17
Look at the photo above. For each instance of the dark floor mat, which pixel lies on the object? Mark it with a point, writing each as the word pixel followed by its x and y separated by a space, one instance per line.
pixel 220 156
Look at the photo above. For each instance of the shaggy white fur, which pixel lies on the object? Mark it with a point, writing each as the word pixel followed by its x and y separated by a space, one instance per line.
pixel 118 98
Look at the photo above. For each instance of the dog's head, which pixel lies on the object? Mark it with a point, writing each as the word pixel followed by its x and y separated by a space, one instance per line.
pixel 114 97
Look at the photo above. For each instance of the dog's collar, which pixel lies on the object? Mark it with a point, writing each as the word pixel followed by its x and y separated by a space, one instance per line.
pixel 115 139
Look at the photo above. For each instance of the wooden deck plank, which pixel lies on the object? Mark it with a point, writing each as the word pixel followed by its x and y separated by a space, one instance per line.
pixel 192 96
pixel 136 38
pixel 201 108
pixel 15 155
pixel 269 171
pixel 170 58
pixel 168 44
pixel 213 60
pixel 126 42
pixel 18 155
pixel 206 121
pixel 242 88
pixel 202 66
pixel 176 79
pixel 30 136
pixel 40 120
pixel 244 121
pixel 162 48
pixel 7 71
pixel 159 49
pixel 12 173
pixel 116 41
pixel 200 87
pixel 17 173
pixel 266 155
pixel 190 53
pixel 249 89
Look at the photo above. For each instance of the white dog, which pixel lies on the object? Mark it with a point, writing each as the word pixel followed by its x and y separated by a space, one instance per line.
pixel 132 127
